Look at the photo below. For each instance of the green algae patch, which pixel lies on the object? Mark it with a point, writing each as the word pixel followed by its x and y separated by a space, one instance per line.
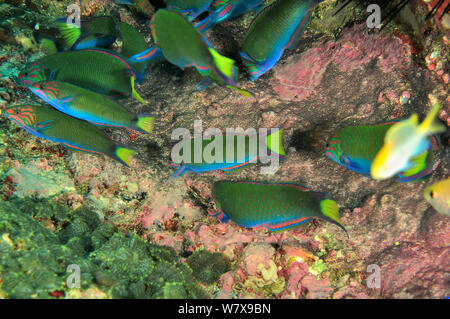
pixel 40 239
pixel 208 266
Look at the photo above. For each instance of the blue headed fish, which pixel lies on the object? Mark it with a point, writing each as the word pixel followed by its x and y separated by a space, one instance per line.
pixel 355 147
pixel 274 30
pixel 404 142
pixel 246 149
pixel 69 131
pixel 276 206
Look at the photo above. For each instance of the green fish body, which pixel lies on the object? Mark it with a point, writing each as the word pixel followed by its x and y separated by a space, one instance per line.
pixel 69 131
pixel 90 106
pixel 183 45
pixel 248 153
pixel 276 206
pixel 355 147
pixel 98 70
pixel 133 43
pixel 273 30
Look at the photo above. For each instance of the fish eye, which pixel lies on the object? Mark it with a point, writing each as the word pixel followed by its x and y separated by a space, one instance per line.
pixel 432 194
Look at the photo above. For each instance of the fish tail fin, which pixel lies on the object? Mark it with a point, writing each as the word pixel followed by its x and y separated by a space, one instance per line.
pixel 429 125
pixel 274 142
pixel 330 210
pixel 124 155
pixel 135 93
pixel 70 32
pixel 145 123
pixel 224 65
pixel 241 91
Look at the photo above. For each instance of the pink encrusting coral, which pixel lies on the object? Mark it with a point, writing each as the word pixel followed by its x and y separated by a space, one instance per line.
pixel 298 77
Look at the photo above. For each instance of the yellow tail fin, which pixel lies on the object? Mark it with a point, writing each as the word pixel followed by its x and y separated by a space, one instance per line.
pixel 224 64
pixel 135 93
pixel 274 142
pixel 429 126
pixel 124 155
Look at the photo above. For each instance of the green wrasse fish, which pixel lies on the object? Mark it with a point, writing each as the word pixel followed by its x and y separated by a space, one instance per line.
pixel 403 142
pixel 273 30
pixel 245 150
pixel 69 131
pixel 132 43
pixel 94 32
pixel 276 206
pixel 142 6
pixel 184 46
pixel 355 147
pixel 90 106
pixel 98 70
pixel 102 32
pixel 438 195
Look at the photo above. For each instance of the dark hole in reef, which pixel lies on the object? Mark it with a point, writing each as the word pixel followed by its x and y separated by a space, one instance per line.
pixel 301 140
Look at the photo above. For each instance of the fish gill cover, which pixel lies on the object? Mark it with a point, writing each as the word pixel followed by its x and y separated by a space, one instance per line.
pixel 110 222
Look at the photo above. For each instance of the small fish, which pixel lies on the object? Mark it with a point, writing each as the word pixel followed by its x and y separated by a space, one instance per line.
pixel 90 106
pixel 102 71
pixel 142 6
pixel 240 158
pixel 355 147
pixel 403 142
pixel 95 32
pixel 70 132
pixel 438 195
pixel 183 45
pixel 274 30
pixel 190 8
pixel 276 206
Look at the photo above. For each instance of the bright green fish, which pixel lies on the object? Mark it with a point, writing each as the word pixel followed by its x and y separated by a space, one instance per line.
pixel 98 70
pixel 183 45
pixel 274 30
pixel 69 131
pixel 276 206
pixel 90 106
pixel 245 150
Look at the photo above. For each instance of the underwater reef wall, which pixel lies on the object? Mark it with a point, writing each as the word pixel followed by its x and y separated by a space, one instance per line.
pixel 136 233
